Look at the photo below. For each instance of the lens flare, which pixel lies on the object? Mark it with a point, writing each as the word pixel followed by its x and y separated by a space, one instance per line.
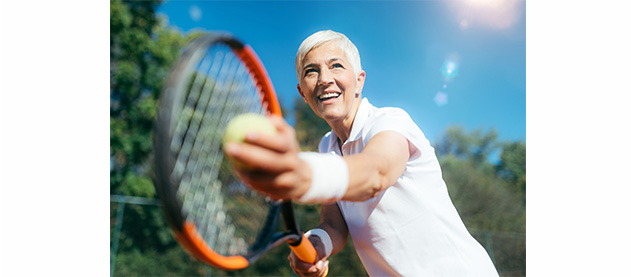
pixel 464 24
pixel 494 14
pixel 440 99
pixel 450 67
pixel 449 70
pixel 195 13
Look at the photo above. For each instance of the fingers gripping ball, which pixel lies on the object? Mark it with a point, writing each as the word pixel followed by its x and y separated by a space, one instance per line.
pixel 240 125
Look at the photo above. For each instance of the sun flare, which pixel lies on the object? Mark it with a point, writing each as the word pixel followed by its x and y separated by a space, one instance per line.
pixel 496 14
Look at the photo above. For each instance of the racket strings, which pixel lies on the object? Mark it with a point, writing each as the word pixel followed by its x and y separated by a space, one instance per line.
pixel 191 118
pixel 203 144
pixel 220 88
pixel 208 226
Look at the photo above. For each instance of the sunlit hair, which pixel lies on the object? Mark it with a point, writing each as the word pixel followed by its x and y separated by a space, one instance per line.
pixel 322 37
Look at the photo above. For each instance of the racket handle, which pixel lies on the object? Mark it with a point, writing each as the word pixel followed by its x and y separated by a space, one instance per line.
pixel 306 252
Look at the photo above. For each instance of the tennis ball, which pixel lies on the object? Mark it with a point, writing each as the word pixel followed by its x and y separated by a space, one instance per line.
pixel 240 125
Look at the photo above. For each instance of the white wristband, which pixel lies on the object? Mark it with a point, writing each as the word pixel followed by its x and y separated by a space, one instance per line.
pixel 329 177
pixel 324 237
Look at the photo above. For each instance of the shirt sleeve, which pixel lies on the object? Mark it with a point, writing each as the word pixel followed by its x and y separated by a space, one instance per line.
pixel 398 120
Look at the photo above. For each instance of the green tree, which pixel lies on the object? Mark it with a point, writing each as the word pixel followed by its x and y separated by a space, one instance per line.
pixel 488 197
pixel 142 49
pixel 512 166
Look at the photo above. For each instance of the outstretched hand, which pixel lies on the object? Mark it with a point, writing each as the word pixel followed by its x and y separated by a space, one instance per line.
pixel 273 166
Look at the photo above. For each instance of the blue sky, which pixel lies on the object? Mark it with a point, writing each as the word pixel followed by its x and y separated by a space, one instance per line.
pixel 444 62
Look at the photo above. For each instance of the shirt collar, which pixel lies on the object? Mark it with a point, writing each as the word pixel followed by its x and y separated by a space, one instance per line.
pixel 358 124
pixel 360 120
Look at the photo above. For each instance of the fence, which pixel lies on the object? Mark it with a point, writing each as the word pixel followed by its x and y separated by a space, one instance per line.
pixel 122 200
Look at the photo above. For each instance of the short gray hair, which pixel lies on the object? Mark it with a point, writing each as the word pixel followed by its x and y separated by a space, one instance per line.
pixel 322 37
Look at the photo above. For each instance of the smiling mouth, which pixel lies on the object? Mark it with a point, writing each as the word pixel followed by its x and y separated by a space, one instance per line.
pixel 329 95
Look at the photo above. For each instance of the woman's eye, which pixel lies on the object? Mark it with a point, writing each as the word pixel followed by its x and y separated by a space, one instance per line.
pixel 309 71
pixel 337 65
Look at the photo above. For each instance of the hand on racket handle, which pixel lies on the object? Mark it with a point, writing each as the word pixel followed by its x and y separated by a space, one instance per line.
pixel 315 265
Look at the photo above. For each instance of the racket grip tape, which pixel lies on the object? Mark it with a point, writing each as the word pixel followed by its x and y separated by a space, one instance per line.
pixel 306 252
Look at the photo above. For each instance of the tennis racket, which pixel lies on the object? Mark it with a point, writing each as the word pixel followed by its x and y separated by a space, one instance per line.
pixel 212 213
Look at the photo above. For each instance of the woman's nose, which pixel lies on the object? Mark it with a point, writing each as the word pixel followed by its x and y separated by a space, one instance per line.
pixel 325 77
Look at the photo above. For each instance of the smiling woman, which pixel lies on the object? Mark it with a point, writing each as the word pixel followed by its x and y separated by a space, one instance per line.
pixel 330 87
pixel 330 78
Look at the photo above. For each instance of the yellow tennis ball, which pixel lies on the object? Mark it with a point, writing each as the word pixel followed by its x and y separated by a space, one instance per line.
pixel 240 125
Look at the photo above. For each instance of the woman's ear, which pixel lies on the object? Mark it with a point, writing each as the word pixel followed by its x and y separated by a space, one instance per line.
pixel 361 78
pixel 301 94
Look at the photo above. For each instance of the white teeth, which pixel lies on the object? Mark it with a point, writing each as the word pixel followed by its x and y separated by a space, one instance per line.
pixel 329 95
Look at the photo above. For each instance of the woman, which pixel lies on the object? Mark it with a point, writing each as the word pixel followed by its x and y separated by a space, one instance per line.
pixel 376 175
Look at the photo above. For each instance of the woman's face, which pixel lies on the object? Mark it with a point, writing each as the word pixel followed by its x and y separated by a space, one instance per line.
pixel 329 85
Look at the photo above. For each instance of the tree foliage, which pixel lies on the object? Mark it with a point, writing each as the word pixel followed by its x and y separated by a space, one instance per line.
pixel 512 166
pixel 142 49
pixel 489 198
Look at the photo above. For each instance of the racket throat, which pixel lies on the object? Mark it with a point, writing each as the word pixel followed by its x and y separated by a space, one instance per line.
pixel 291 225
pixel 298 242
pixel 266 234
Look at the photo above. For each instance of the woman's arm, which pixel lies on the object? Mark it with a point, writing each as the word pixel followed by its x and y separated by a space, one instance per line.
pixel 377 167
pixel 277 171
pixel 332 221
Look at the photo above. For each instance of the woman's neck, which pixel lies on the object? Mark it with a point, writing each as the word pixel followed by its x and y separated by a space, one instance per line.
pixel 342 127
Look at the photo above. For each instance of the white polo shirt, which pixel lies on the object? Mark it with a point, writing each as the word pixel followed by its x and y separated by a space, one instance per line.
pixel 412 228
